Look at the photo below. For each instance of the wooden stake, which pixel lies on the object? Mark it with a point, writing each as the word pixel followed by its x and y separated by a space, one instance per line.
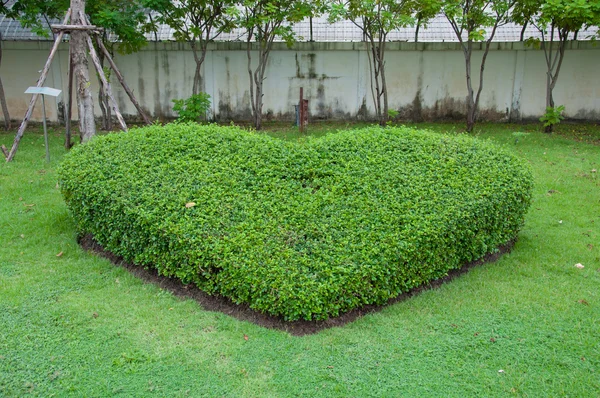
pixel 96 62
pixel 34 97
pixel 122 81
pixel 105 83
pixel 69 28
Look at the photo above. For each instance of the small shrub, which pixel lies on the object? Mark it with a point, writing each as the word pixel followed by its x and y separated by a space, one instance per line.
pixel 553 116
pixel 300 230
pixel 392 115
pixel 192 109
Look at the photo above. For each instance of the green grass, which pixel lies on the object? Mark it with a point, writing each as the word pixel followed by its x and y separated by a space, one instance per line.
pixel 76 325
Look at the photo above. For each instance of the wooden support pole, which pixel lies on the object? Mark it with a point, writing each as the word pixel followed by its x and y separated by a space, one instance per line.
pixel 122 81
pixel 69 28
pixel 34 97
pixel 105 82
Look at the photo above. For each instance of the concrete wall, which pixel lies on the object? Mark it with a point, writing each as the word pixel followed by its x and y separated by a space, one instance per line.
pixel 426 81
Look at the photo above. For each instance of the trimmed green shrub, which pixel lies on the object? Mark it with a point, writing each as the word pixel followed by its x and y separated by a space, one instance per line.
pixel 300 230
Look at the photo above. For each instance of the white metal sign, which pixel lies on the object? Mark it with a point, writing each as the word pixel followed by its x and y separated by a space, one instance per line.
pixel 43 90
pixel 53 92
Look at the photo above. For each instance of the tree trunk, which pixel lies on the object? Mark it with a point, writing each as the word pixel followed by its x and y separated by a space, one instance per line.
pixel 384 92
pixel 251 77
pixel 259 77
pixel 259 94
pixel 376 77
pixel 196 87
pixel 418 27
pixel 481 71
pixel 69 108
pixel 549 99
pixel 376 59
pixel 468 51
pixel 372 69
pixel 7 125
pixel 385 113
pixel 196 84
pixel 85 103
pixel 554 63
pixel 522 37
pixel 3 97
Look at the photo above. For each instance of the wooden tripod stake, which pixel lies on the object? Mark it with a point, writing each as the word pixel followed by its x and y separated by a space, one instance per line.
pixel 40 83
pixel 100 71
pixel 84 29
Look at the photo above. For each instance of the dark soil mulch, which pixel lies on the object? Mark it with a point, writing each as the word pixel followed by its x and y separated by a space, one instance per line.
pixel 243 312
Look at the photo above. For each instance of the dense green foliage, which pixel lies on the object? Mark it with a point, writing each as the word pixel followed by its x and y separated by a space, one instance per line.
pixel 192 109
pixel 553 115
pixel 305 231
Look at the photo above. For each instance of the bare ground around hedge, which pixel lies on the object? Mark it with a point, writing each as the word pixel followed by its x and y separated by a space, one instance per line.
pixel 245 313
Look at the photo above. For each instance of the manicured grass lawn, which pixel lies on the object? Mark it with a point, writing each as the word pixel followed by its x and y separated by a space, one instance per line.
pixel 527 325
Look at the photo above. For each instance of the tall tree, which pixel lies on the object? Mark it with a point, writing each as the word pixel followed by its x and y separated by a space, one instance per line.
pixel 376 19
pixel 557 21
pixel 196 22
pixel 264 21
pixel 471 20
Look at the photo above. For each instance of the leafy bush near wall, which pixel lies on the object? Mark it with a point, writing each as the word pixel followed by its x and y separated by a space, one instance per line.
pixel 192 109
pixel 300 230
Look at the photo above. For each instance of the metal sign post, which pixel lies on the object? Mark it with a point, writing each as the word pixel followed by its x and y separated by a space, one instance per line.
pixel 44 91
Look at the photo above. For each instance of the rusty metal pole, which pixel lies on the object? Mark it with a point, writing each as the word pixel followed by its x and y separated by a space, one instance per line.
pixel 305 113
pixel 301 110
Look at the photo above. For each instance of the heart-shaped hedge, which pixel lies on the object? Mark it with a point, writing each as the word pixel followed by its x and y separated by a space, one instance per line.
pixel 301 230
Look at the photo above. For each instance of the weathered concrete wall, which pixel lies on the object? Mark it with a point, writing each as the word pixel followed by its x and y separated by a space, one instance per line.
pixel 426 81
